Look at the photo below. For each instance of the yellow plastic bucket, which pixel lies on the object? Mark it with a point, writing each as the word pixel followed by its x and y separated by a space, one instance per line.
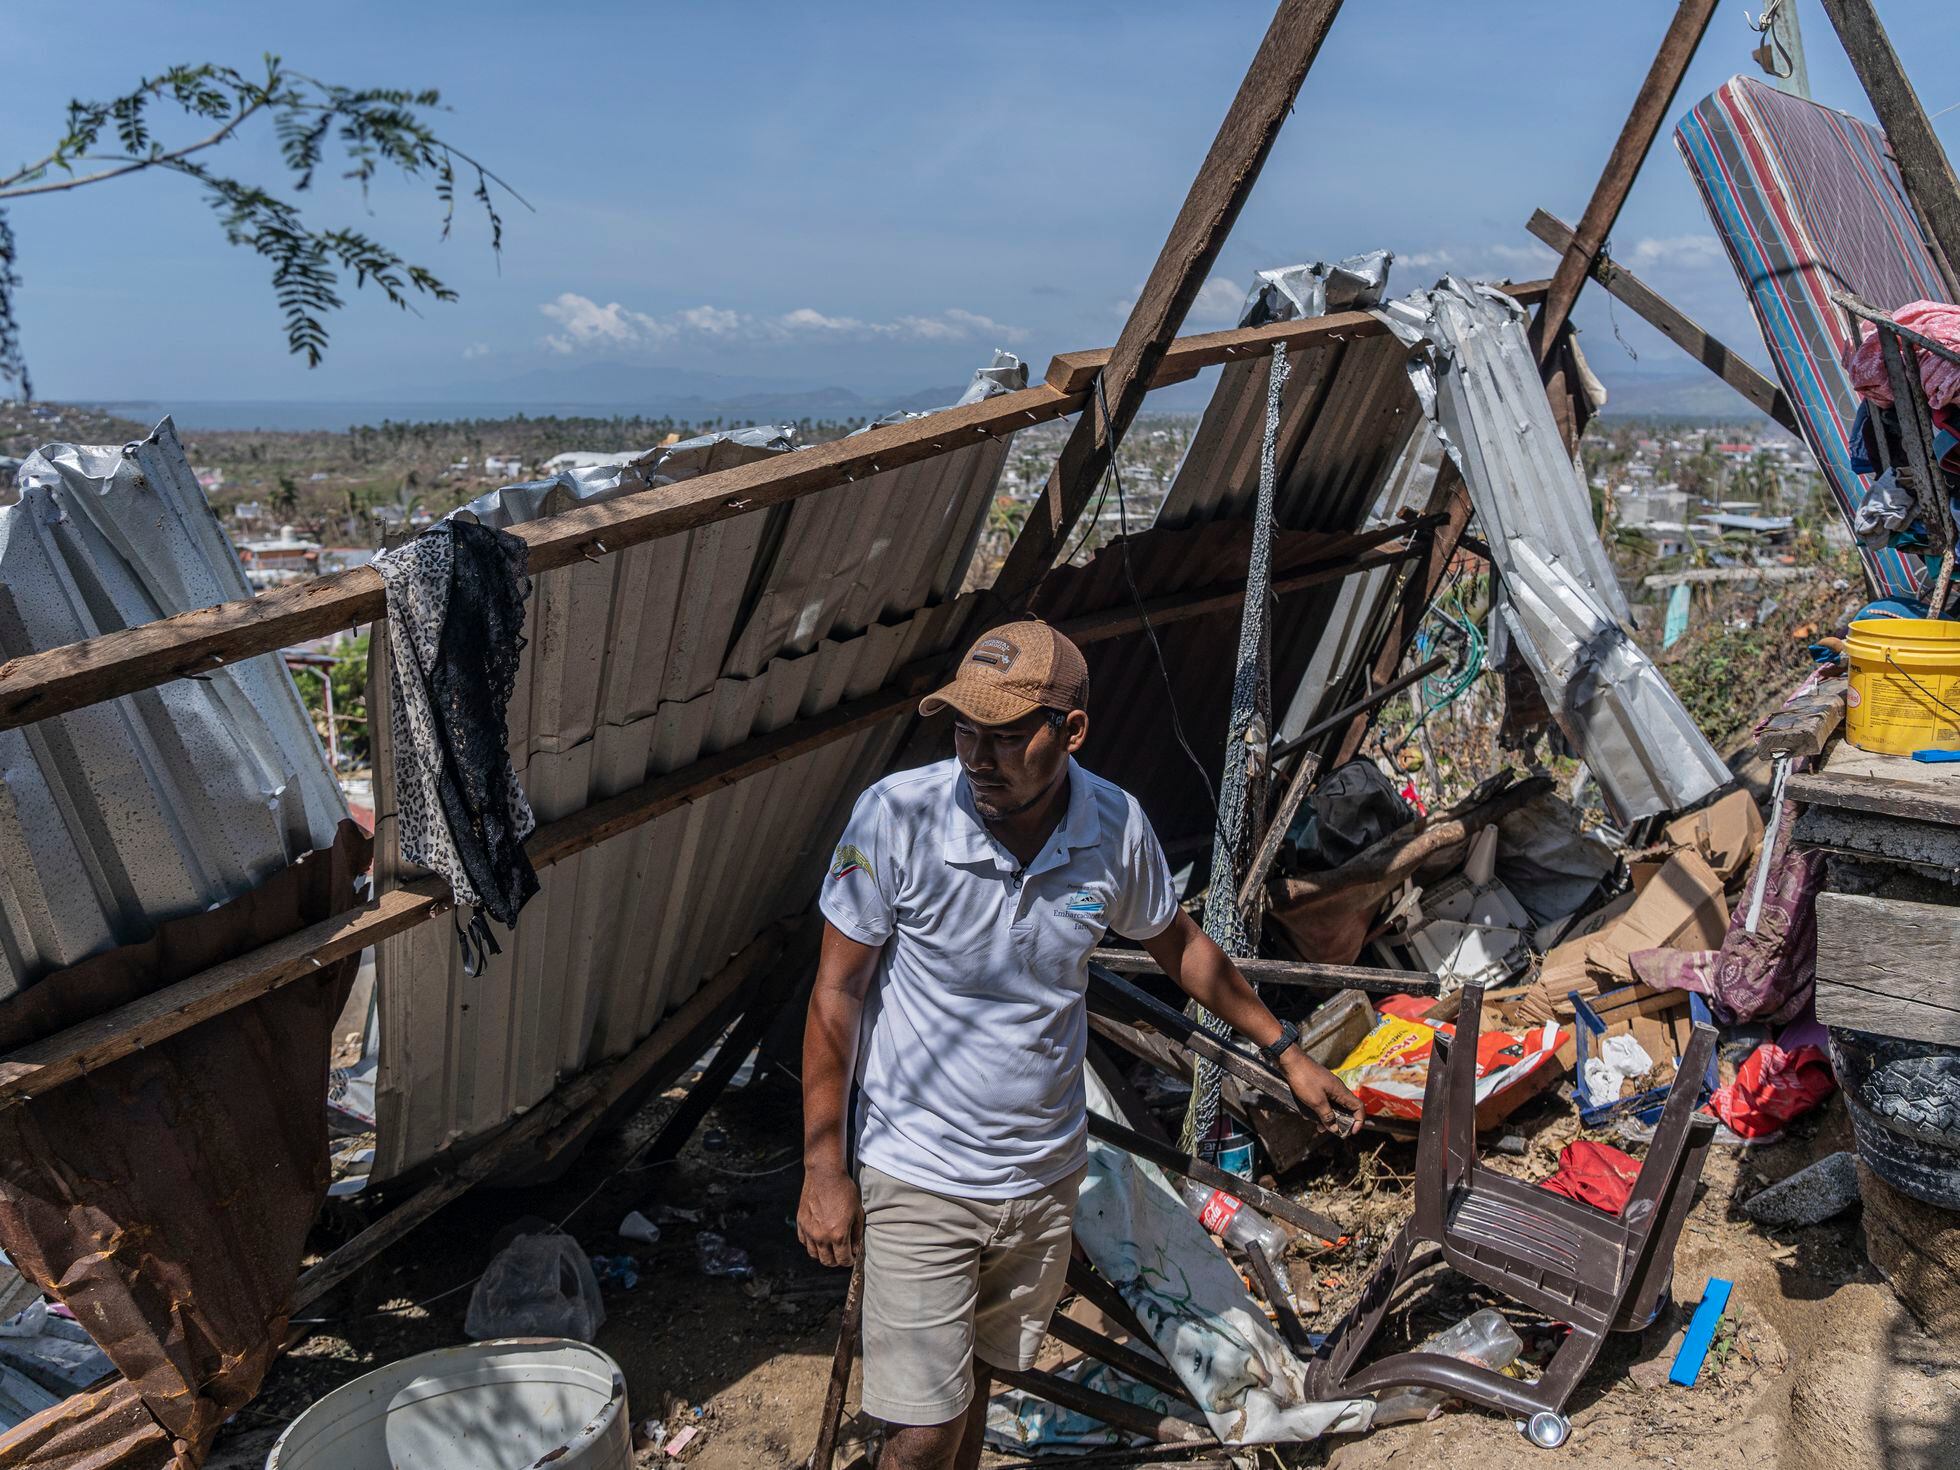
pixel 1905 685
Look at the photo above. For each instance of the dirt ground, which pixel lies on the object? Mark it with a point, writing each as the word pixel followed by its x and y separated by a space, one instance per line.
pixel 1822 1369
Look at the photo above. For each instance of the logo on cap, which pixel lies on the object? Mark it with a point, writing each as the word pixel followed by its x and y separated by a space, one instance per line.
pixel 995 653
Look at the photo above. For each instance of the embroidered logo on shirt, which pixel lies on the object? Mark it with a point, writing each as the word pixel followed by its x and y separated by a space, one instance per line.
pixel 1083 904
pixel 849 860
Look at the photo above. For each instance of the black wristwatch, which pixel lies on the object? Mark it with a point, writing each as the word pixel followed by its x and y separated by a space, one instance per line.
pixel 1288 1038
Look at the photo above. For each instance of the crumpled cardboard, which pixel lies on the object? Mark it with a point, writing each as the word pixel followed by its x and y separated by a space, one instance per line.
pixel 1681 907
pixel 1725 834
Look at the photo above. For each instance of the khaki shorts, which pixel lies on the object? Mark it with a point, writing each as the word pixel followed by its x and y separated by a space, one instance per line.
pixel 946 1280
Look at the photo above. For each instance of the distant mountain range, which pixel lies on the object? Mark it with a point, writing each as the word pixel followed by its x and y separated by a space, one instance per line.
pixel 608 389
pixel 1694 395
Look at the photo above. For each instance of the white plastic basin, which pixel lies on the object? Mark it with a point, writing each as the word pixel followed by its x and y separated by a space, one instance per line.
pixel 506 1404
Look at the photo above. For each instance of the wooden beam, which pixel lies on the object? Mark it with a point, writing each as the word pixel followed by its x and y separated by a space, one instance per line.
pixel 1075 372
pixel 1289 972
pixel 1923 164
pixel 1167 1156
pixel 1650 108
pixel 1675 325
pixel 31 1070
pixel 562 1116
pixel 1223 184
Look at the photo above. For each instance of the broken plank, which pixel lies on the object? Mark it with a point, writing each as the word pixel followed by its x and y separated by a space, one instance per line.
pixel 1856 1009
pixel 1086 1282
pixel 1891 796
pixel 1676 325
pixel 1165 1156
pixel 1288 972
pixel 1267 1274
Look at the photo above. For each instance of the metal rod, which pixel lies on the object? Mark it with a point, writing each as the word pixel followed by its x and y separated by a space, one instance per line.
pixel 1360 706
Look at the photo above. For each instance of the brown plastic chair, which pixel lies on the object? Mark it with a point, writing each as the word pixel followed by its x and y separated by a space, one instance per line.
pixel 1577 1264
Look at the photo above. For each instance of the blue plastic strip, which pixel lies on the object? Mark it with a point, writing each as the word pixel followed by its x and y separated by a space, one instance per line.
pixel 1701 1332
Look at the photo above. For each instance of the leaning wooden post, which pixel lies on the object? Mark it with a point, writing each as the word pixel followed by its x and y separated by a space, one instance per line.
pixel 1650 107
pixel 1220 190
pixel 825 1454
pixel 1923 164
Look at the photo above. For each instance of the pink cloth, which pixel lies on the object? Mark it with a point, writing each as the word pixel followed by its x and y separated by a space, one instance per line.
pixel 1936 319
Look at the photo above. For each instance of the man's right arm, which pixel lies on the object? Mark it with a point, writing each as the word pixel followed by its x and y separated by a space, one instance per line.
pixel 829 1219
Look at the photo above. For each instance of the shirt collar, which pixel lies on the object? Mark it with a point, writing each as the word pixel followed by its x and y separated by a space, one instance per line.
pixel 967 840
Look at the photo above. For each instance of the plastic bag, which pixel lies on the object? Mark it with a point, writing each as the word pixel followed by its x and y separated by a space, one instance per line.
pixel 539 1285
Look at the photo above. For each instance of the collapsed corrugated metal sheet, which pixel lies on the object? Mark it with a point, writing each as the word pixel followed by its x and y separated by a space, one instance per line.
pixel 119 816
pixel 1347 417
pixel 165 1197
pixel 1479 382
pixel 637 665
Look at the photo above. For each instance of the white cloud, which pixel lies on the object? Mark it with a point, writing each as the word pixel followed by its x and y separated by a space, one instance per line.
pixel 1533 254
pixel 1677 252
pixel 476 349
pixel 587 325
pixel 1218 301
pixel 1424 260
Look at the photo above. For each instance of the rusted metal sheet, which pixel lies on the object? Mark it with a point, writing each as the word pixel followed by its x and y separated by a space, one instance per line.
pixel 165 1199
pixel 639 664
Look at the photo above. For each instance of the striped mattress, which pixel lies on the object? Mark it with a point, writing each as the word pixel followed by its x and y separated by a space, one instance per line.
pixel 1807 201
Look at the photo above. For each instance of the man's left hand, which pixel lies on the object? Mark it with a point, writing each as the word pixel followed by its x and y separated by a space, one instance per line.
pixel 1322 1093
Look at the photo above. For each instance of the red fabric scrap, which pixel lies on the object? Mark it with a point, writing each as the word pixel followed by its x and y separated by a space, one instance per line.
pixel 1941 379
pixel 1595 1174
pixel 1772 1089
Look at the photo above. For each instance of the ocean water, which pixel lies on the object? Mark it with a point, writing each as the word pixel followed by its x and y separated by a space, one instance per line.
pixel 338 417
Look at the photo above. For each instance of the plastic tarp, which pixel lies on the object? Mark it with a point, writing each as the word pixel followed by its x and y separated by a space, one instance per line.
pixel 1217 1340
pixel 1562 605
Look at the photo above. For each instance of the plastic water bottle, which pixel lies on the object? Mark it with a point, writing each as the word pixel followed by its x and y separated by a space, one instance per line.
pixel 1238 1222
pixel 1482 1337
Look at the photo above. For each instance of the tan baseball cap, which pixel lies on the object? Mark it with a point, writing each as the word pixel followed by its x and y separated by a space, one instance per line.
pixel 1013 671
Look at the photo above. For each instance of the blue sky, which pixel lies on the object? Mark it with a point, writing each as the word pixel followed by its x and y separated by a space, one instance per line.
pixel 865 195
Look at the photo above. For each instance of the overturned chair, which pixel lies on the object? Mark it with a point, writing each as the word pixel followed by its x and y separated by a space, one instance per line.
pixel 1579 1265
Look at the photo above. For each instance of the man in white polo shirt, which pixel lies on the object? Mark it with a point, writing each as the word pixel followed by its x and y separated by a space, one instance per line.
pixel 960 910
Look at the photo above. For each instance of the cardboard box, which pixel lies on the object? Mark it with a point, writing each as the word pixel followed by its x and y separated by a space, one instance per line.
pixel 1680 907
